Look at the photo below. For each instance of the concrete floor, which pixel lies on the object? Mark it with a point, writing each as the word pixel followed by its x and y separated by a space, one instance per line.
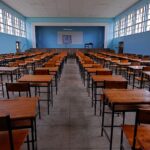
pixel 71 124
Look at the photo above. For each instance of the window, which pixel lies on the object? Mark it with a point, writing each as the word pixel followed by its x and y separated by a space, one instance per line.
pixel 22 27
pixel 8 22
pixel 117 29
pixel 148 19
pixel 16 26
pixel 122 27
pixel 1 22
pixel 136 22
pixel 140 17
pixel 130 22
pixel 11 24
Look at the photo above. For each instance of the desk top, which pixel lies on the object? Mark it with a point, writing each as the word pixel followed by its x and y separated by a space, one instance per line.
pixel 92 65
pixel 147 72
pixel 23 64
pixel 136 67
pixel 8 68
pixel 144 61
pixel 19 108
pixel 107 58
pixel 127 96
pixel 87 65
pixel 57 64
pixel 114 61
pixel 36 78
pixel 101 78
pixel 51 69
pixel 93 70
pixel 123 64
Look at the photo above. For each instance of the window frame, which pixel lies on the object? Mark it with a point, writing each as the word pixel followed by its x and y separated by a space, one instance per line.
pixel 11 24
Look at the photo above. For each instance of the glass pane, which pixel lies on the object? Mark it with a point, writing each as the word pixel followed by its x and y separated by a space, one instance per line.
pixel 148 26
pixel 1 27
pixel 1 15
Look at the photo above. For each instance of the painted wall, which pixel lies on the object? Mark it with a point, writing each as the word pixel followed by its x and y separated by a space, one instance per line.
pixel 33 21
pixel 47 37
pixel 8 42
pixel 137 43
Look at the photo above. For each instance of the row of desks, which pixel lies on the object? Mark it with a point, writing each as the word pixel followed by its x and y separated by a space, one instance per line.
pixel 21 109
pixel 110 55
pixel 123 100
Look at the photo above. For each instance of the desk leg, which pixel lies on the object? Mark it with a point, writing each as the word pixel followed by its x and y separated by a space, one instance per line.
pixel 120 70
pixel 92 91
pixel 141 83
pixel 89 85
pixel 88 82
pixel 56 82
pixel 121 140
pixel 35 129
pixel 133 78
pixel 116 72
pixel 11 76
pixel 103 115
pixel 95 99
pixel 48 97
pixel 83 74
pixel 51 92
pixel 112 124
pixel 32 134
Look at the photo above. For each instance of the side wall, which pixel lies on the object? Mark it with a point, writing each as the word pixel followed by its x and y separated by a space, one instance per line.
pixel 7 41
pixel 137 43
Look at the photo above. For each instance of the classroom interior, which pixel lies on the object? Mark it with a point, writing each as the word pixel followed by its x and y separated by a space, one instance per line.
pixel 74 75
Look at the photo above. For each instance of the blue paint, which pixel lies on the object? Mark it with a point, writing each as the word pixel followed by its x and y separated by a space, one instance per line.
pixel 8 42
pixel 31 21
pixel 46 37
pixel 137 43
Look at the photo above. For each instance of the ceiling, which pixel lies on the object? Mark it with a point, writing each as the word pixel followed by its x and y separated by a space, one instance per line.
pixel 70 8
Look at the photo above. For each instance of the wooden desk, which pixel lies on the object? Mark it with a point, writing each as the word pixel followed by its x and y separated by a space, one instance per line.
pixel 147 73
pixel 41 79
pixel 123 100
pixel 89 72
pixel 121 65
pixel 83 71
pixel 9 70
pixel 30 63
pixel 87 65
pixel 135 69
pixel 20 109
pixel 144 62
pixel 53 71
pixel 100 79
pixel 94 70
